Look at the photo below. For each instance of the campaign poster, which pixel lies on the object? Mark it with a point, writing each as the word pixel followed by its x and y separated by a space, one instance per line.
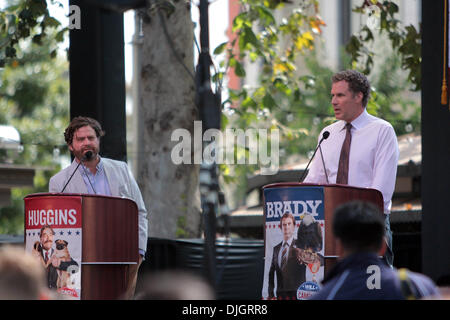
pixel 53 234
pixel 294 242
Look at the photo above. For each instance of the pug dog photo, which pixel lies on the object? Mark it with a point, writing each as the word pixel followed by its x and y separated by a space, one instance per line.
pixel 62 255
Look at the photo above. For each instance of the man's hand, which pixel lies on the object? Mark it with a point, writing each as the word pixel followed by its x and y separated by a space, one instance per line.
pixel 132 278
pixel 55 261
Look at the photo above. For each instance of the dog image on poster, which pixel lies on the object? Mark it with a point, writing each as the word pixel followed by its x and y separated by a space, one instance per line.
pixel 62 257
pixel 61 269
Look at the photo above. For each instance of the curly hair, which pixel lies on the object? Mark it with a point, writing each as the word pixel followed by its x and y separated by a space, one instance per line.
pixel 357 82
pixel 79 122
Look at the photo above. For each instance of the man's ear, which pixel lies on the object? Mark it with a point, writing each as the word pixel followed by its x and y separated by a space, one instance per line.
pixel 70 147
pixel 339 249
pixel 383 247
pixel 360 96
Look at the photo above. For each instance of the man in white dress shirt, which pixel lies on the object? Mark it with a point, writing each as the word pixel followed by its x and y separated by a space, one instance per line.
pixel 373 149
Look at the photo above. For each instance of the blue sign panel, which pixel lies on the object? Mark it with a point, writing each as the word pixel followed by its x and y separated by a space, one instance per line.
pixel 295 200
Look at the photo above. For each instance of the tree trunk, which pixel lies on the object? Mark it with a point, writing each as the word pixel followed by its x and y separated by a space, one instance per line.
pixel 168 103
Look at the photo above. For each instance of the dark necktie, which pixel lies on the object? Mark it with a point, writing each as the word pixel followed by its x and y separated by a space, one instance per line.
pixel 342 174
pixel 46 257
pixel 284 256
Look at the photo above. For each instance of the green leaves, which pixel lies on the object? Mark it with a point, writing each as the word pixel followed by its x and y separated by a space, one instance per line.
pixel 411 53
pixel 407 41
pixel 285 86
pixel 240 21
pixel 260 39
pixel 265 15
pixel 238 68
pixel 272 46
pixel 247 39
pixel 269 102
pixel 18 22
pixel 220 48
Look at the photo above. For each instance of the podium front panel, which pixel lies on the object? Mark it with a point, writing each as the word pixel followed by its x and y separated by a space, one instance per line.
pixel 106 230
pixel 110 230
pixel 294 240
pixel 310 205
pixel 336 195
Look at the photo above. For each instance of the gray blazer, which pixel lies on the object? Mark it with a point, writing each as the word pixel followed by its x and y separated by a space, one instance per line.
pixel 121 183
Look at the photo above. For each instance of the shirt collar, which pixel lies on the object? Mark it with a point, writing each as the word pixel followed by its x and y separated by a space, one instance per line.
pixel 99 166
pixel 288 241
pixel 359 122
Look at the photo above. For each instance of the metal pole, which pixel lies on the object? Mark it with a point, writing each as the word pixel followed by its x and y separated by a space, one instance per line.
pixel 209 109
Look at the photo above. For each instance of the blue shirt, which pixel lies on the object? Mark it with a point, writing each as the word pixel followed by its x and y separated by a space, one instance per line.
pixel 350 279
pixel 98 183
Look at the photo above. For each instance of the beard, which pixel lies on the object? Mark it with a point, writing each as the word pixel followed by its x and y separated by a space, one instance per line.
pixel 79 154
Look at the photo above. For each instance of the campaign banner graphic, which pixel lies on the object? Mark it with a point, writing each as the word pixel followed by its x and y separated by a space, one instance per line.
pixel 53 234
pixel 294 242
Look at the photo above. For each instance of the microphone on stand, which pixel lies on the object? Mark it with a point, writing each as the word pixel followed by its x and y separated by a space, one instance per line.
pixel 323 163
pixel 325 135
pixel 86 157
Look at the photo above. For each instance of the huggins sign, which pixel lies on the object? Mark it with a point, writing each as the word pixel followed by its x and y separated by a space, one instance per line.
pixel 53 235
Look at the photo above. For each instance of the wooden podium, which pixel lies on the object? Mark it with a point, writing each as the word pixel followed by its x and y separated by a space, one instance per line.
pixel 109 236
pixel 333 196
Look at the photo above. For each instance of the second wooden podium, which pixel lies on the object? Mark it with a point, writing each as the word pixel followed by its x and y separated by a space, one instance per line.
pixel 299 217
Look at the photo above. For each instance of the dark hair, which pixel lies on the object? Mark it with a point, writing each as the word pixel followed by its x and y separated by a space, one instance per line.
pixel 359 225
pixel 357 82
pixel 46 227
pixel 79 122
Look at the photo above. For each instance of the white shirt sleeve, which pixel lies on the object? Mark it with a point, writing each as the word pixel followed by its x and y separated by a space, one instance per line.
pixel 385 165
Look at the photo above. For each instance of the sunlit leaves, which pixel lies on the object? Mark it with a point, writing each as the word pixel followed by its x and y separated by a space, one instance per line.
pixel 274 45
pixel 305 40
pixel 405 40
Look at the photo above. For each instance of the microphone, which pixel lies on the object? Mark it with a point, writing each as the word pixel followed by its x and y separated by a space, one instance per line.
pixel 325 135
pixel 323 163
pixel 86 157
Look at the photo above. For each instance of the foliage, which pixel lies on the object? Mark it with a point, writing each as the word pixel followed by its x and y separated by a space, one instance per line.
pixel 406 41
pixel 275 46
pixel 390 98
pixel 34 98
pixel 292 93
pixel 28 19
pixel 11 222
